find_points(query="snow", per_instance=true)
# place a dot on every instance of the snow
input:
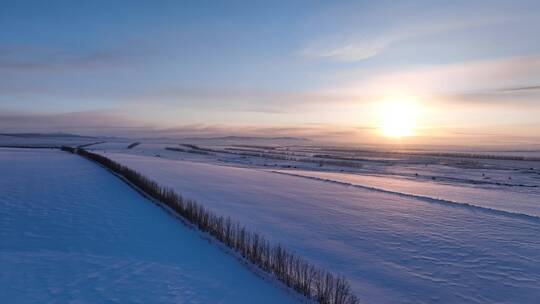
(512, 175)
(73, 233)
(498, 198)
(392, 248)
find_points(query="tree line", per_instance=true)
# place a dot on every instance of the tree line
(133, 145)
(91, 144)
(313, 282)
(187, 151)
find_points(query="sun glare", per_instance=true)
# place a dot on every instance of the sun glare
(398, 118)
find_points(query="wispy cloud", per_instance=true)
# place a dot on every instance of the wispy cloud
(354, 48)
(99, 122)
(523, 88)
(238, 100)
(31, 58)
(349, 51)
(113, 123)
(513, 75)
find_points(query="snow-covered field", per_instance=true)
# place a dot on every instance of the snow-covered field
(70, 232)
(514, 200)
(403, 227)
(392, 248)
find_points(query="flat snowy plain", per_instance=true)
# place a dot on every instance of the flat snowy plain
(392, 248)
(515, 200)
(70, 232)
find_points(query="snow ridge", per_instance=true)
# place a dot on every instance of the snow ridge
(421, 197)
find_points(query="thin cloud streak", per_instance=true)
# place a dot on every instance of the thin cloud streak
(359, 49)
(111, 123)
(525, 88)
(349, 52)
(240, 100)
(485, 76)
(99, 119)
(28, 58)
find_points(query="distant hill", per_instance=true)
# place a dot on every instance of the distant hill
(247, 138)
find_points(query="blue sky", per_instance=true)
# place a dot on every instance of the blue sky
(303, 67)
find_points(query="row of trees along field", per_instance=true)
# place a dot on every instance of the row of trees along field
(313, 282)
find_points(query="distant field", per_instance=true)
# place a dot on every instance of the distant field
(391, 248)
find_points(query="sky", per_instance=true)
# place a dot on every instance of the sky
(434, 72)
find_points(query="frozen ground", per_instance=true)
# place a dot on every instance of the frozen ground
(392, 248)
(510, 175)
(70, 232)
(518, 201)
(395, 223)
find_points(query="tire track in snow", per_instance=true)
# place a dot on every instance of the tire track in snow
(423, 198)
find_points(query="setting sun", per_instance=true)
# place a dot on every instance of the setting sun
(397, 118)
